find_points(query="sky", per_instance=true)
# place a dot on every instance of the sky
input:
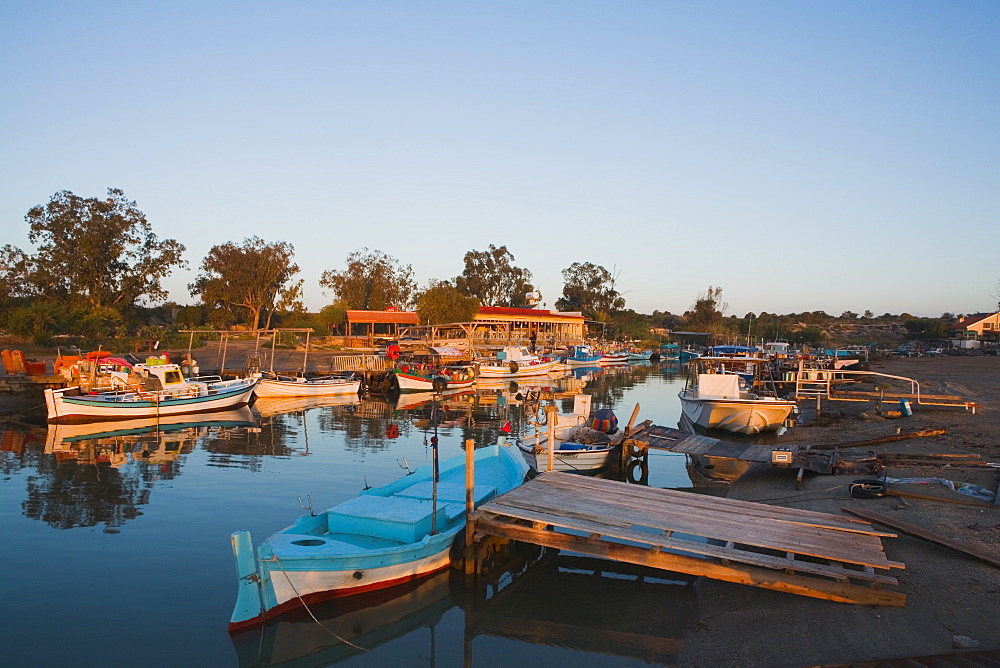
(802, 156)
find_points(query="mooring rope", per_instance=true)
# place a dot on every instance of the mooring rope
(323, 626)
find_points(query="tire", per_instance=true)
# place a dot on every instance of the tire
(440, 383)
(513, 367)
(867, 489)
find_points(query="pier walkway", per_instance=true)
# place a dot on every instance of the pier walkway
(785, 549)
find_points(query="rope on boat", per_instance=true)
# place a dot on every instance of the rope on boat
(322, 626)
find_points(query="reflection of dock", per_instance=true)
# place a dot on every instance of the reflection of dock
(785, 549)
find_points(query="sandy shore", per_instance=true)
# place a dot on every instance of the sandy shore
(948, 594)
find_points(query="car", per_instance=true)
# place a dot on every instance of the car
(936, 351)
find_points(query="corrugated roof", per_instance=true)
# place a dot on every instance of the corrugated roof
(527, 313)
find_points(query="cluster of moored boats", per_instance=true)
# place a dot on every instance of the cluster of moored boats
(404, 531)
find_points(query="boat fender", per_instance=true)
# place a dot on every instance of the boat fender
(392, 351)
(440, 383)
(512, 388)
(513, 366)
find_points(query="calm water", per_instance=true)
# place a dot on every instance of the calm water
(117, 547)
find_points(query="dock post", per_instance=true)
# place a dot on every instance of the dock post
(550, 420)
(470, 505)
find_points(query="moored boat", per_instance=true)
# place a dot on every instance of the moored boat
(614, 358)
(582, 356)
(386, 536)
(149, 390)
(277, 385)
(515, 362)
(720, 396)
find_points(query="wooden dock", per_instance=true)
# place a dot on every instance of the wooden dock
(657, 437)
(785, 549)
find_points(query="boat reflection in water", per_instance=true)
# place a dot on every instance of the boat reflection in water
(536, 596)
(348, 626)
(145, 439)
(271, 406)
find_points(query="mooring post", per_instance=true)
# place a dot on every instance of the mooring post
(550, 420)
(470, 505)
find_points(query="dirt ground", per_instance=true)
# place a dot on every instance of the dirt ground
(948, 593)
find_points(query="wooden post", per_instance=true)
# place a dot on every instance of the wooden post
(225, 347)
(470, 505)
(631, 420)
(305, 356)
(550, 418)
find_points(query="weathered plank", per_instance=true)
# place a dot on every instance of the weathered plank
(743, 508)
(740, 574)
(990, 557)
(620, 503)
(689, 546)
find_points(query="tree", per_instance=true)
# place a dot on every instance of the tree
(444, 303)
(372, 281)
(254, 275)
(493, 280)
(589, 288)
(848, 315)
(706, 314)
(99, 251)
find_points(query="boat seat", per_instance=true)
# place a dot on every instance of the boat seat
(398, 518)
(448, 492)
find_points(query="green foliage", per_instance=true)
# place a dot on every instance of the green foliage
(492, 279)
(252, 277)
(444, 303)
(630, 326)
(101, 251)
(589, 288)
(927, 328)
(809, 335)
(371, 281)
(706, 314)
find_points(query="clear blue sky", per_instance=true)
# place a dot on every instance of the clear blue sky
(801, 155)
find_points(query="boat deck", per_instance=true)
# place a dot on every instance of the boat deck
(785, 549)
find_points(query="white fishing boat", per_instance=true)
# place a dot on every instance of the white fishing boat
(721, 395)
(515, 362)
(277, 385)
(614, 358)
(582, 356)
(577, 446)
(149, 390)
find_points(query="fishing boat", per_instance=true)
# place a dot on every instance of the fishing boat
(582, 356)
(620, 357)
(640, 356)
(147, 391)
(515, 362)
(277, 385)
(386, 536)
(718, 395)
(421, 377)
(581, 444)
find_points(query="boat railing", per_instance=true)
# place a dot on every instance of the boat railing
(360, 363)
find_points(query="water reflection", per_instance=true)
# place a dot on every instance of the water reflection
(535, 596)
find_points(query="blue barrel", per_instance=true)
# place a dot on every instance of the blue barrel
(904, 407)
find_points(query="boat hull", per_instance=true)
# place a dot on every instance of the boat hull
(116, 406)
(384, 537)
(504, 370)
(584, 361)
(741, 416)
(567, 461)
(269, 387)
(415, 383)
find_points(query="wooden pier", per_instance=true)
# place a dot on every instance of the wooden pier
(785, 549)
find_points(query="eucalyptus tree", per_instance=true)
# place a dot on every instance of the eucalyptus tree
(589, 288)
(444, 303)
(491, 278)
(101, 252)
(254, 276)
(372, 280)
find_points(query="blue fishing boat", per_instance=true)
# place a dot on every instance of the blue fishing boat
(386, 536)
(582, 356)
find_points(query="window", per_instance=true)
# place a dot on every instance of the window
(172, 378)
